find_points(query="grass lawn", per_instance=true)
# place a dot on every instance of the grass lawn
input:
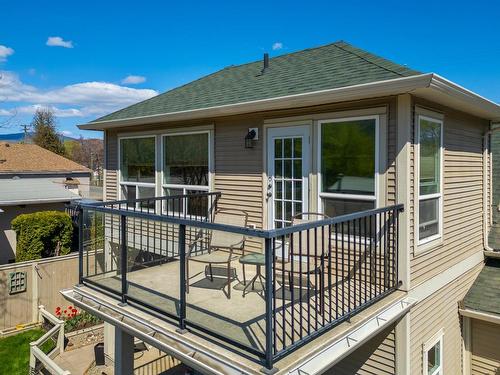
(15, 351)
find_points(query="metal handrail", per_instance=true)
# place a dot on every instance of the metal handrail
(253, 232)
(381, 224)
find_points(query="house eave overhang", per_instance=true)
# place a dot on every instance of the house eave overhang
(428, 86)
(480, 315)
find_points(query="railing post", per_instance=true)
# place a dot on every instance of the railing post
(182, 280)
(269, 306)
(123, 258)
(80, 245)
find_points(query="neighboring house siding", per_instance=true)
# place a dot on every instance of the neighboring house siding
(377, 357)
(440, 311)
(485, 353)
(462, 196)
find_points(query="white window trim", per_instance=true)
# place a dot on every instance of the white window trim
(374, 197)
(131, 183)
(205, 188)
(428, 243)
(437, 338)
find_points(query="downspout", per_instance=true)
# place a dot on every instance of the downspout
(487, 177)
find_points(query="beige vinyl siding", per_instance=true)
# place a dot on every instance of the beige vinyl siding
(485, 351)
(440, 311)
(111, 149)
(462, 196)
(392, 143)
(238, 170)
(376, 357)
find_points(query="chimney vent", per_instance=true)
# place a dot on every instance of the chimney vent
(266, 63)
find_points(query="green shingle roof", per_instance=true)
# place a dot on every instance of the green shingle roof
(332, 66)
(484, 295)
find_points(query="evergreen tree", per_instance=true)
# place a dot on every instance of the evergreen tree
(45, 131)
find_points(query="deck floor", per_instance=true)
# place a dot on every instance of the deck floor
(240, 318)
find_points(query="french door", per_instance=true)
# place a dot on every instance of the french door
(288, 167)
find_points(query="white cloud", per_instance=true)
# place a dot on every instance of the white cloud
(57, 41)
(5, 52)
(277, 46)
(76, 100)
(67, 133)
(133, 80)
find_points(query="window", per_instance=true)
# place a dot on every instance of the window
(186, 166)
(137, 170)
(433, 355)
(430, 144)
(348, 165)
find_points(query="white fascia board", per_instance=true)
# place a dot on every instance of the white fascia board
(355, 92)
(38, 201)
(333, 353)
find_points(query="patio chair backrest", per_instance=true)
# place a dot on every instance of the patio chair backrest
(226, 240)
(317, 237)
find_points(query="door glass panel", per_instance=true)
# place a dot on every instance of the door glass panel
(288, 199)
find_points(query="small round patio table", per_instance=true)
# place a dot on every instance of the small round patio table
(258, 260)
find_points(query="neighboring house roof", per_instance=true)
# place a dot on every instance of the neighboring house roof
(29, 158)
(335, 72)
(484, 294)
(16, 191)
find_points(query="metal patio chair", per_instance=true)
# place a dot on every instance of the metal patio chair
(221, 246)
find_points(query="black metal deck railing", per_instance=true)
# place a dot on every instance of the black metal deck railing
(316, 274)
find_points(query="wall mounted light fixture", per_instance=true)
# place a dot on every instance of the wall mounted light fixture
(251, 137)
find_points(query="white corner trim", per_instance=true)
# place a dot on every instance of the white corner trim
(480, 315)
(429, 287)
(333, 353)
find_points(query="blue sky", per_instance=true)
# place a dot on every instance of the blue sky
(76, 56)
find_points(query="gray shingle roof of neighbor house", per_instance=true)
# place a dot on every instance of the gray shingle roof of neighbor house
(331, 66)
(33, 190)
(484, 295)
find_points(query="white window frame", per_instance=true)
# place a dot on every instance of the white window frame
(437, 338)
(204, 188)
(375, 197)
(131, 183)
(434, 239)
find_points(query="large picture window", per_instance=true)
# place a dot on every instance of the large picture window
(430, 145)
(186, 167)
(348, 162)
(137, 170)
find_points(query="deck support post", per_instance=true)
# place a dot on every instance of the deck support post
(183, 281)
(123, 258)
(268, 252)
(124, 352)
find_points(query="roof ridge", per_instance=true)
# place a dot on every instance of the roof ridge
(369, 60)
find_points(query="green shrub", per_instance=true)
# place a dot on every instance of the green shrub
(39, 233)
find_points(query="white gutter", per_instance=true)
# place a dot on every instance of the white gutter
(335, 352)
(430, 85)
(38, 201)
(492, 318)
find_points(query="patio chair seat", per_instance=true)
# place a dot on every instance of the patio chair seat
(214, 257)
